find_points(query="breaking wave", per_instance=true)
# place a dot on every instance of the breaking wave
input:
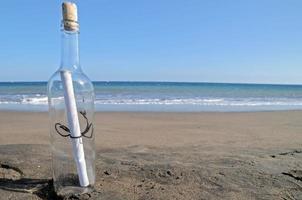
(42, 100)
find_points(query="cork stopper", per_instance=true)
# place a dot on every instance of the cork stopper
(70, 16)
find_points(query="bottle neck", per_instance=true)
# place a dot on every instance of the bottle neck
(70, 60)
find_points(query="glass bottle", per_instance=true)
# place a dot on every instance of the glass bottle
(65, 167)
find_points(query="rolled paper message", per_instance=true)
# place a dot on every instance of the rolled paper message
(74, 126)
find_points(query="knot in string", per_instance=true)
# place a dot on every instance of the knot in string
(64, 131)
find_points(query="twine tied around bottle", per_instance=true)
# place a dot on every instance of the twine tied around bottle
(89, 126)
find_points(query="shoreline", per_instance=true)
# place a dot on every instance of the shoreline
(122, 129)
(159, 112)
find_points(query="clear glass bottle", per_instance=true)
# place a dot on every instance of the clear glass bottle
(64, 164)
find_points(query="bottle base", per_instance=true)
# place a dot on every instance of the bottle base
(73, 190)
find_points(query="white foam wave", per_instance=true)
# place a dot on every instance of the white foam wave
(24, 99)
(35, 100)
(203, 102)
(233, 102)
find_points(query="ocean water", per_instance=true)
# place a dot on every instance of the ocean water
(163, 96)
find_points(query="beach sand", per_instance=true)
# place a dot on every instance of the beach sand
(256, 155)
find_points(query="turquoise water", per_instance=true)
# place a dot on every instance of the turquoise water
(163, 96)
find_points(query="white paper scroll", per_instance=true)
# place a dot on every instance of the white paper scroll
(74, 126)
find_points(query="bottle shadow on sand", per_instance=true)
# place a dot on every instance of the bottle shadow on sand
(11, 179)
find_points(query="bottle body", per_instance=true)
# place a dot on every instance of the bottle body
(64, 162)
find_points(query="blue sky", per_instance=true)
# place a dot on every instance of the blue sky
(257, 41)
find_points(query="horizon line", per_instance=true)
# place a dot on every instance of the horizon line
(193, 82)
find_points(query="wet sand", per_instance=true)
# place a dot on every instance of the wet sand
(255, 155)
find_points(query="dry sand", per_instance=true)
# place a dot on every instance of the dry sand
(255, 155)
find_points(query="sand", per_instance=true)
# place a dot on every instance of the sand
(255, 155)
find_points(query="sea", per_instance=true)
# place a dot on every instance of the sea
(163, 97)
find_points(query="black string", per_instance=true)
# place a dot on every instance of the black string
(68, 134)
